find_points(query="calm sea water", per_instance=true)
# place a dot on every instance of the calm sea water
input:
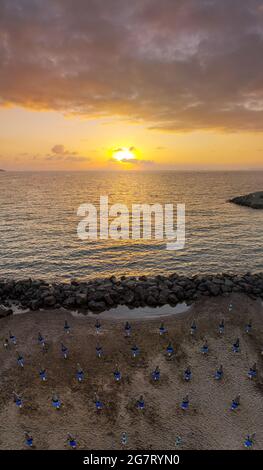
(38, 221)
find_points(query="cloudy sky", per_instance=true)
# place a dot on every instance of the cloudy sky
(121, 84)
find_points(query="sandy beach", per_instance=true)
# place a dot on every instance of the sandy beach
(208, 424)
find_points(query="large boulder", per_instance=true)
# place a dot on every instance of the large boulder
(253, 200)
(5, 312)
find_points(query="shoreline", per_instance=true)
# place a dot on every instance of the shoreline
(100, 295)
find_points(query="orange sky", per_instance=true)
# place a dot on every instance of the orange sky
(180, 84)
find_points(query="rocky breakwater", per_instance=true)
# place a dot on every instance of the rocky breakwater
(103, 294)
(253, 200)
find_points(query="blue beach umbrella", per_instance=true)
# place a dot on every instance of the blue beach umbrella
(235, 403)
(12, 338)
(204, 348)
(18, 400)
(236, 346)
(28, 439)
(127, 329)
(187, 374)
(72, 441)
(79, 373)
(252, 373)
(222, 327)
(56, 403)
(185, 403)
(162, 329)
(43, 374)
(20, 360)
(135, 351)
(156, 374)
(64, 351)
(169, 350)
(66, 327)
(219, 373)
(117, 374)
(140, 404)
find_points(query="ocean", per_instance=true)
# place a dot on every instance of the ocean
(38, 224)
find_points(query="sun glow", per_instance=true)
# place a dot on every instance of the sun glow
(123, 154)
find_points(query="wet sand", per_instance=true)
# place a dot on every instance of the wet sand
(208, 424)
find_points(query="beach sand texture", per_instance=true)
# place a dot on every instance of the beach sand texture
(208, 424)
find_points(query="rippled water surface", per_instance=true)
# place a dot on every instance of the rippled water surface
(38, 221)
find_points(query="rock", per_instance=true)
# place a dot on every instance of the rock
(49, 301)
(151, 301)
(214, 289)
(35, 304)
(5, 312)
(226, 289)
(128, 297)
(81, 299)
(108, 299)
(70, 302)
(164, 296)
(173, 300)
(253, 200)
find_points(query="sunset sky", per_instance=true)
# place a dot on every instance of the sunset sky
(131, 84)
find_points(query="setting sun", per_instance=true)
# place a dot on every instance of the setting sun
(123, 154)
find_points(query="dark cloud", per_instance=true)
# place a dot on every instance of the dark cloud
(60, 153)
(60, 149)
(174, 65)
